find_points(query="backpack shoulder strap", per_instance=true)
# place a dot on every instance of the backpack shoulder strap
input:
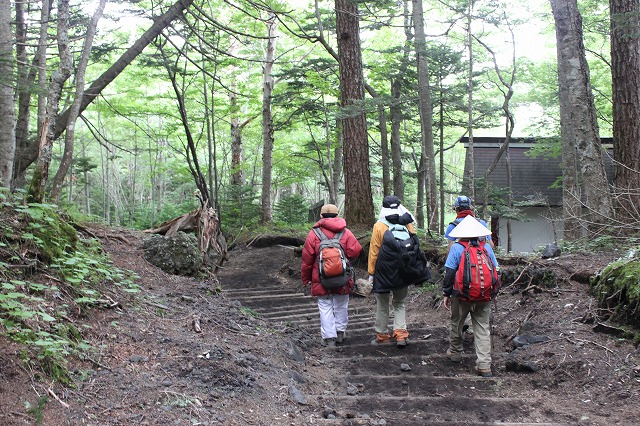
(323, 236)
(320, 234)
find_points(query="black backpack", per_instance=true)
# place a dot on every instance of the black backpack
(413, 264)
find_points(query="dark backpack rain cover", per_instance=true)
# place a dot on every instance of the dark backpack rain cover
(400, 261)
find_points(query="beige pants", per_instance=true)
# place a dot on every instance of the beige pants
(480, 313)
(399, 312)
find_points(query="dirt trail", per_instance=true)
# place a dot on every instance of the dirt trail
(244, 349)
(582, 377)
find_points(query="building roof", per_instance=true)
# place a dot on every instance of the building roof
(532, 177)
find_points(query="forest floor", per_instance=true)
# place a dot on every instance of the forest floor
(244, 348)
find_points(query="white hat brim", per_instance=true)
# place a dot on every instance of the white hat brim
(469, 227)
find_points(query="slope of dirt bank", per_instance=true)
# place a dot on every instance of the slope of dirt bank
(244, 349)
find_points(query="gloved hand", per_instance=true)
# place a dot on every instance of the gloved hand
(370, 279)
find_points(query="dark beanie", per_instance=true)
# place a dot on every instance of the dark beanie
(391, 202)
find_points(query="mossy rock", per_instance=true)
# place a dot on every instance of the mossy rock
(617, 289)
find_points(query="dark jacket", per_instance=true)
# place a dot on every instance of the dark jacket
(386, 257)
(309, 269)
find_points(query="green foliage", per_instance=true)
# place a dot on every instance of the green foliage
(429, 287)
(31, 312)
(240, 207)
(600, 243)
(617, 289)
(36, 411)
(249, 312)
(292, 210)
(46, 230)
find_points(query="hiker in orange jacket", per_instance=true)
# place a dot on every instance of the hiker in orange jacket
(383, 274)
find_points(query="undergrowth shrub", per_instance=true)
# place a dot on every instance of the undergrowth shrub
(47, 273)
(617, 289)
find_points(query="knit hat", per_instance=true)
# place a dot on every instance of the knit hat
(469, 227)
(329, 209)
(391, 202)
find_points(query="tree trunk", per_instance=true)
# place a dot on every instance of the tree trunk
(384, 149)
(396, 148)
(579, 126)
(85, 174)
(625, 57)
(358, 200)
(237, 174)
(7, 111)
(58, 78)
(338, 158)
(74, 111)
(191, 150)
(426, 118)
(441, 149)
(470, 159)
(507, 91)
(267, 120)
(27, 150)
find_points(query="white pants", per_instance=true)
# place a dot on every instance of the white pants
(334, 314)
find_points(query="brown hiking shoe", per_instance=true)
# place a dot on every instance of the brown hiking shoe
(401, 343)
(330, 343)
(402, 337)
(454, 356)
(381, 339)
(484, 372)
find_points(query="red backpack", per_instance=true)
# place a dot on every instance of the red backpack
(477, 277)
(333, 265)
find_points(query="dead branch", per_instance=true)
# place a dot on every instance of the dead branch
(158, 305)
(519, 276)
(526, 318)
(593, 343)
(117, 237)
(84, 229)
(97, 364)
(254, 240)
(52, 393)
(196, 323)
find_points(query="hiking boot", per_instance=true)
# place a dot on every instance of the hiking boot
(484, 372)
(401, 343)
(330, 343)
(454, 356)
(402, 337)
(381, 339)
(341, 337)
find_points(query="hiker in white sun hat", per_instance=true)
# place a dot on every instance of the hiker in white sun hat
(464, 207)
(470, 227)
(472, 260)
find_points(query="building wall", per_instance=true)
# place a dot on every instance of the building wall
(528, 237)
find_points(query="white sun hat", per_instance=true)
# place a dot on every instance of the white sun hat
(469, 227)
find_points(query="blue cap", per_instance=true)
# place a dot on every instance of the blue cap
(463, 202)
